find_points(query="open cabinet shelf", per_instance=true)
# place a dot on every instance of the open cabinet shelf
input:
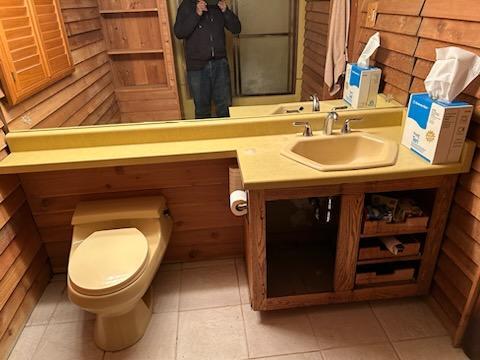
(382, 228)
(389, 260)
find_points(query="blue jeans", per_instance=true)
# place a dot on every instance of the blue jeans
(211, 83)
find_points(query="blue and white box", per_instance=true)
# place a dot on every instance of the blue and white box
(436, 130)
(361, 86)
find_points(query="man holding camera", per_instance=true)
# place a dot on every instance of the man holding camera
(201, 24)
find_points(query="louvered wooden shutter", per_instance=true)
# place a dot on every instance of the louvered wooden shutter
(23, 67)
(33, 46)
(51, 31)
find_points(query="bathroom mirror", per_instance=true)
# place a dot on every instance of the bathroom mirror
(127, 65)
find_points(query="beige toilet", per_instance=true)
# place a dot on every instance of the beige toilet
(116, 250)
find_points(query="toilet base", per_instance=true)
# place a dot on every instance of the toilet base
(113, 333)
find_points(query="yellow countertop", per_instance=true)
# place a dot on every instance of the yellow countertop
(256, 145)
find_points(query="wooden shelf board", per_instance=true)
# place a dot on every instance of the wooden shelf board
(385, 284)
(134, 51)
(128, 11)
(393, 233)
(389, 260)
(133, 88)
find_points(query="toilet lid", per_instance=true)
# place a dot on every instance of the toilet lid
(107, 261)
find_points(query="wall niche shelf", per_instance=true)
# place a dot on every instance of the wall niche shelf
(139, 46)
(134, 51)
(128, 11)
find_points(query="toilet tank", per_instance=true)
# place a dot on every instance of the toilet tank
(148, 207)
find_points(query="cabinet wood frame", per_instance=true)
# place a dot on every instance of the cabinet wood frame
(349, 232)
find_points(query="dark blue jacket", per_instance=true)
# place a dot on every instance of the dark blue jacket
(204, 35)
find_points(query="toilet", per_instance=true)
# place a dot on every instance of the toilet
(117, 247)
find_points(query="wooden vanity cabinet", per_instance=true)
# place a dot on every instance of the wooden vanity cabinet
(373, 274)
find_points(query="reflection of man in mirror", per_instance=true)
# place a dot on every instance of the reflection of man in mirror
(201, 23)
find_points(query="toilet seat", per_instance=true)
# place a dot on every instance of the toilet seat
(107, 261)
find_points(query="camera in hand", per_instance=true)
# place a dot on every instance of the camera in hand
(211, 2)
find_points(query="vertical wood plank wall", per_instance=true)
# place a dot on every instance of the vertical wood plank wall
(315, 47)
(84, 98)
(24, 267)
(410, 32)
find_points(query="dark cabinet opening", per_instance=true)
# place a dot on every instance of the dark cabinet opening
(301, 237)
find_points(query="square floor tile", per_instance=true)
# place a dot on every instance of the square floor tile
(166, 291)
(46, 305)
(242, 281)
(405, 319)
(305, 356)
(278, 332)
(211, 334)
(72, 341)
(158, 343)
(27, 343)
(207, 287)
(345, 325)
(363, 352)
(66, 311)
(438, 348)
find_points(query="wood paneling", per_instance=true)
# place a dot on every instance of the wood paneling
(196, 192)
(315, 48)
(86, 97)
(24, 267)
(398, 23)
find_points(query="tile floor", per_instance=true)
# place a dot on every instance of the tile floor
(201, 311)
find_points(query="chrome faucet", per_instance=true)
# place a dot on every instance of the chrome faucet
(316, 103)
(331, 118)
(307, 131)
(346, 128)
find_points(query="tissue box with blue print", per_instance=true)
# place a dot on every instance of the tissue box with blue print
(436, 130)
(361, 86)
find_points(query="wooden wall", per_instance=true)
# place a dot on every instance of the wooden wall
(87, 96)
(24, 267)
(315, 47)
(410, 32)
(197, 195)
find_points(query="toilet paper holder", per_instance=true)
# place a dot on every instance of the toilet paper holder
(241, 207)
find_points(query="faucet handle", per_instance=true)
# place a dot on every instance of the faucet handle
(346, 128)
(307, 131)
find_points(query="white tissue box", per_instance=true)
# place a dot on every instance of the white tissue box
(436, 130)
(361, 86)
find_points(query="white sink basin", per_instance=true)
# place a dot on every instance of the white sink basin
(353, 151)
